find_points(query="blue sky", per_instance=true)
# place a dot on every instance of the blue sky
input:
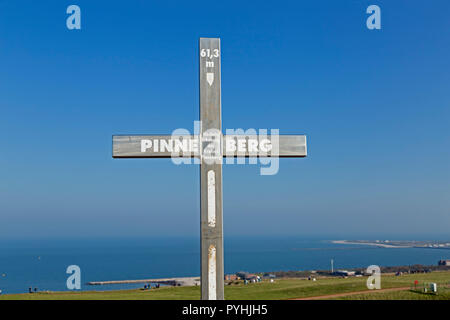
(374, 104)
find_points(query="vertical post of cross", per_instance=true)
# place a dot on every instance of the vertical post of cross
(211, 239)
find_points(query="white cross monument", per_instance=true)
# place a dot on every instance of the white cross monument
(210, 146)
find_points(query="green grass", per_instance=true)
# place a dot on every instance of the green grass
(280, 289)
(397, 295)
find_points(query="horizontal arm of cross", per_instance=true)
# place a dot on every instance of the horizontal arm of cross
(165, 146)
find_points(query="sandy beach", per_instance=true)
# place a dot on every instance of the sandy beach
(377, 244)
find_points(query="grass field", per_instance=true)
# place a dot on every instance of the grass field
(280, 289)
(397, 295)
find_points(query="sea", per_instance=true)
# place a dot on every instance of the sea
(43, 263)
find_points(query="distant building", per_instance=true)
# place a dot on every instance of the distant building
(242, 275)
(253, 277)
(444, 262)
(231, 277)
(344, 273)
(247, 276)
(269, 275)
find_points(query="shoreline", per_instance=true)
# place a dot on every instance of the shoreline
(381, 245)
(176, 281)
(279, 275)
